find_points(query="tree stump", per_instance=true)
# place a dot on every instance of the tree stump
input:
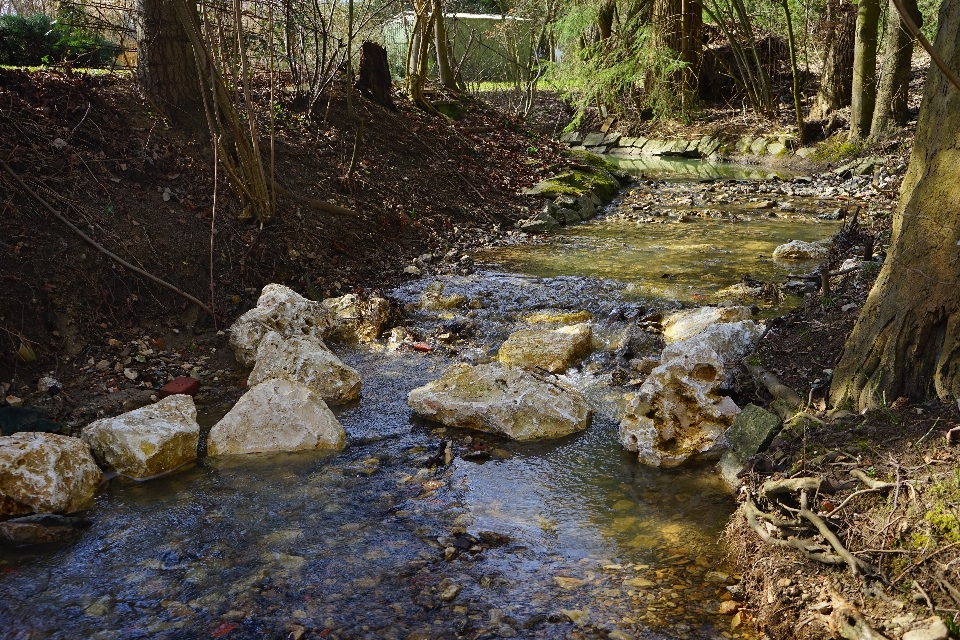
(374, 78)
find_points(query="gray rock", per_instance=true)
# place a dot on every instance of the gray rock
(593, 139)
(752, 431)
(566, 201)
(599, 149)
(759, 146)
(537, 226)
(730, 466)
(835, 214)
(586, 209)
(569, 216)
(611, 139)
(805, 152)
(776, 149)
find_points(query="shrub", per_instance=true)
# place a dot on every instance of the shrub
(37, 39)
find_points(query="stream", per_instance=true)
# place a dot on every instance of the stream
(570, 538)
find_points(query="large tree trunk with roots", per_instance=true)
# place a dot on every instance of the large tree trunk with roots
(891, 109)
(677, 33)
(906, 341)
(864, 94)
(837, 77)
(166, 67)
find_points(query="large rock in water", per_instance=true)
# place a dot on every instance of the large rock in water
(800, 250)
(46, 473)
(306, 360)
(677, 415)
(731, 341)
(146, 442)
(553, 351)
(358, 320)
(276, 415)
(283, 310)
(686, 324)
(502, 399)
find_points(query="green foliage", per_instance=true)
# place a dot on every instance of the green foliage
(37, 39)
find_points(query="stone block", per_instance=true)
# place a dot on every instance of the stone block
(752, 431)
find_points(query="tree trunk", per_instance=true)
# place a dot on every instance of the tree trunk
(891, 109)
(837, 78)
(677, 32)
(605, 19)
(864, 93)
(373, 79)
(444, 68)
(797, 98)
(166, 67)
(906, 341)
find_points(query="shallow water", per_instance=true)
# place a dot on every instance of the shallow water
(370, 543)
(687, 262)
(347, 545)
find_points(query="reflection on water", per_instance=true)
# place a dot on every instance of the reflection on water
(687, 262)
(676, 168)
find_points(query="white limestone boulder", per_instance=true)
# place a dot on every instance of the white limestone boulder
(358, 319)
(46, 473)
(283, 310)
(686, 324)
(305, 360)
(731, 341)
(677, 414)
(146, 442)
(553, 350)
(502, 399)
(800, 250)
(276, 415)
(434, 300)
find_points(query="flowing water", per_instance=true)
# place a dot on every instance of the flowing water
(564, 539)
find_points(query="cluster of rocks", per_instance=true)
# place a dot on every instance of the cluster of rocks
(565, 210)
(573, 195)
(519, 395)
(681, 412)
(294, 378)
(712, 147)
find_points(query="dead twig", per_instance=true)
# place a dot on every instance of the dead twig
(922, 560)
(96, 245)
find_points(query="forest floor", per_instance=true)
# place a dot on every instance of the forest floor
(91, 146)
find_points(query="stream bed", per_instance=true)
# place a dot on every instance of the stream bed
(570, 538)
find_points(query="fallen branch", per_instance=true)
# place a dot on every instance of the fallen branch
(772, 488)
(873, 484)
(776, 388)
(96, 245)
(313, 204)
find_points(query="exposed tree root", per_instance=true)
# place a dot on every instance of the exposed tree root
(776, 388)
(796, 532)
